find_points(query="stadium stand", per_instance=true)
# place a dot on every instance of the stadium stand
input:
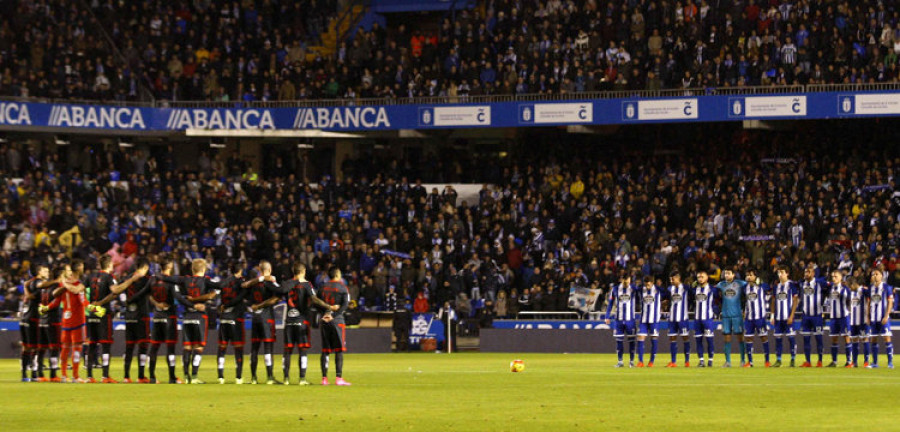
(269, 50)
(548, 217)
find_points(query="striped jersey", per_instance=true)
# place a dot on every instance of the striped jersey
(857, 307)
(678, 303)
(623, 297)
(812, 297)
(838, 301)
(878, 301)
(783, 300)
(704, 297)
(650, 304)
(755, 305)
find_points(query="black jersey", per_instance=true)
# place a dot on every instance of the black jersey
(298, 296)
(137, 303)
(164, 292)
(30, 306)
(100, 284)
(53, 315)
(336, 293)
(232, 296)
(260, 292)
(192, 286)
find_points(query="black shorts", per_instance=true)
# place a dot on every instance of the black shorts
(262, 330)
(231, 331)
(165, 330)
(28, 329)
(296, 334)
(137, 330)
(194, 329)
(49, 336)
(334, 337)
(100, 330)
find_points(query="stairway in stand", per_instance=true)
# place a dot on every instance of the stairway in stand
(337, 27)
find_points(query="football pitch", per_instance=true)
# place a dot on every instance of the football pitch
(469, 391)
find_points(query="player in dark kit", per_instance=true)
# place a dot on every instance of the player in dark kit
(165, 320)
(231, 323)
(30, 320)
(334, 340)
(300, 297)
(197, 289)
(50, 324)
(137, 317)
(99, 323)
(264, 293)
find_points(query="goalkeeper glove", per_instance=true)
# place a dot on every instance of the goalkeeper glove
(100, 311)
(42, 309)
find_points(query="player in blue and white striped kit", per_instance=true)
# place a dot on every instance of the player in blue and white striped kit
(651, 300)
(784, 305)
(756, 308)
(704, 312)
(624, 298)
(837, 302)
(678, 298)
(859, 330)
(812, 297)
(880, 303)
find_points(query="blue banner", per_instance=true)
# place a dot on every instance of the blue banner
(711, 108)
(425, 326)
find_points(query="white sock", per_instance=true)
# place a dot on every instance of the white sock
(105, 358)
(54, 363)
(171, 359)
(197, 359)
(268, 358)
(303, 362)
(142, 359)
(221, 363)
(76, 357)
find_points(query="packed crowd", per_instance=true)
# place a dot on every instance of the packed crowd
(256, 49)
(546, 222)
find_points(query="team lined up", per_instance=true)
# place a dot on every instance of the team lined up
(858, 314)
(60, 307)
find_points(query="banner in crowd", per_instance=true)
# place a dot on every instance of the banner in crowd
(425, 326)
(708, 108)
(583, 299)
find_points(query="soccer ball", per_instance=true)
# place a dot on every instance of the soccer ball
(517, 366)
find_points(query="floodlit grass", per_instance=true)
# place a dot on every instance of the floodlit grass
(470, 391)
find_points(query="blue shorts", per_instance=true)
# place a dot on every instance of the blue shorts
(682, 328)
(623, 328)
(732, 325)
(704, 328)
(859, 331)
(756, 327)
(648, 329)
(879, 329)
(782, 328)
(839, 326)
(812, 325)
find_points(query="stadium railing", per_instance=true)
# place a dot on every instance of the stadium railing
(436, 100)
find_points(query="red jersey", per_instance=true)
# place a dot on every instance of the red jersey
(73, 309)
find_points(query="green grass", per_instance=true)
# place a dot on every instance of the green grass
(470, 391)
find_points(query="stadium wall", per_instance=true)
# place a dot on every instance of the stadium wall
(358, 341)
(49, 117)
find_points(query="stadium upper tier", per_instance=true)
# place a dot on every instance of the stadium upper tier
(269, 50)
